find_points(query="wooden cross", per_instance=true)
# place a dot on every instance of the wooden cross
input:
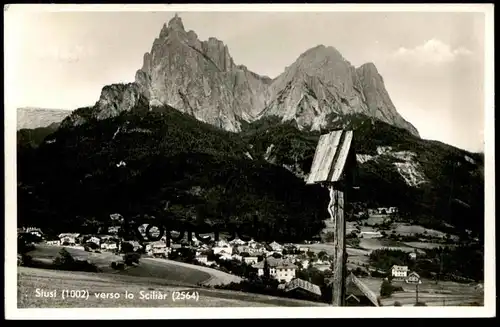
(333, 155)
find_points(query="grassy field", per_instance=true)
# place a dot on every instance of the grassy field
(47, 253)
(371, 244)
(356, 257)
(426, 245)
(215, 277)
(432, 294)
(169, 271)
(396, 228)
(30, 279)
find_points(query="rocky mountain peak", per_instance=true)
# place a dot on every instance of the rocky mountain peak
(321, 51)
(201, 78)
(176, 23)
(175, 28)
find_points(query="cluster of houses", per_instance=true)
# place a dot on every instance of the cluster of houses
(403, 273)
(378, 211)
(290, 257)
(284, 268)
(275, 260)
(109, 241)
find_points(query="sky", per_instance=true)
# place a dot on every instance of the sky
(432, 63)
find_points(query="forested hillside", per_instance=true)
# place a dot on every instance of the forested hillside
(166, 163)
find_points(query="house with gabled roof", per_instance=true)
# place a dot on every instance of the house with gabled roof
(275, 246)
(399, 271)
(302, 289)
(282, 270)
(68, 238)
(359, 294)
(413, 278)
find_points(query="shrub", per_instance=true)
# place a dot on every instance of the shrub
(420, 304)
(64, 261)
(386, 289)
(127, 247)
(117, 265)
(359, 272)
(397, 304)
(131, 258)
(25, 260)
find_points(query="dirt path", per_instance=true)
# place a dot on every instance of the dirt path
(217, 277)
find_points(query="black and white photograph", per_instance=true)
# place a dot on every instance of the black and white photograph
(249, 160)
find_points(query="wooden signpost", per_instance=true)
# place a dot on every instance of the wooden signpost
(332, 167)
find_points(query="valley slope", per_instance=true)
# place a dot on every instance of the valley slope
(142, 163)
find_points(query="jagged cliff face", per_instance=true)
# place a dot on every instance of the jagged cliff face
(322, 85)
(201, 78)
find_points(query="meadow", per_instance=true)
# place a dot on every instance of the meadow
(30, 279)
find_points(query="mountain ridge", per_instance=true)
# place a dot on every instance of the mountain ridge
(77, 173)
(202, 79)
(33, 117)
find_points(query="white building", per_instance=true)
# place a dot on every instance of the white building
(237, 242)
(114, 229)
(223, 249)
(54, 242)
(393, 210)
(237, 257)
(109, 245)
(279, 269)
(226, 256)
(68, 238)
(304, 263)
(276, 247)
(35, 231)
(414, 278)
(95, 240)
(250, 260)
(370, 235)
(202, 259)
(157, 249)
(222, 243)
(399, 271)
(252, 243)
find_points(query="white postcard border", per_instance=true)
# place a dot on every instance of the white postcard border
(12, 312)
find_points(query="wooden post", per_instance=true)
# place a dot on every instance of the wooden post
(336, 210)
(332, 167)
(416, 288)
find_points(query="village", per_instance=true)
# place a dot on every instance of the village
(284, 263)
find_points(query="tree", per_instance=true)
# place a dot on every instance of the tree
(92, 245)
(386, 289)
(131, 258)
(64, 260)
(323, 255)
(127, 247)
(266, 269)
